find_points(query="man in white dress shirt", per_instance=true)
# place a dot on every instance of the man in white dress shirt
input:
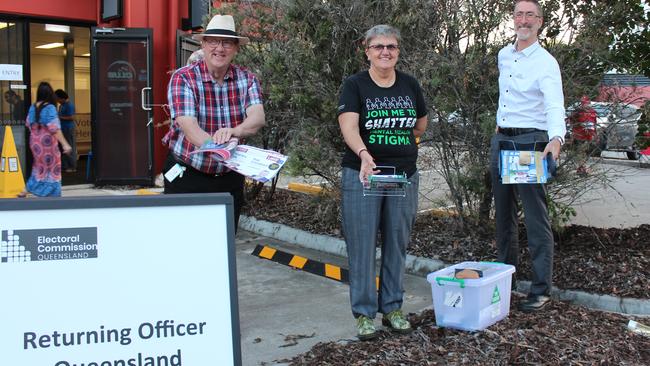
(531, 114)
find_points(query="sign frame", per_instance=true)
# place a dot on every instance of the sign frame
(157, 203)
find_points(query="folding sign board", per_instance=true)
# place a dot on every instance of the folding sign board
(128, 280)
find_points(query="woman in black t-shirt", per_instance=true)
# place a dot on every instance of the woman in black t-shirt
(381, 112)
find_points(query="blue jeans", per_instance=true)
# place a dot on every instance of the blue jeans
(363, 218)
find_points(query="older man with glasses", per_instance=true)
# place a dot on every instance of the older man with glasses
(530, 113)
(211, 101)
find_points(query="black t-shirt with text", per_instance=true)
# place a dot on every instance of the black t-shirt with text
(387, 117)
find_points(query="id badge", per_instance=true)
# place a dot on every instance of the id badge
(173, 173)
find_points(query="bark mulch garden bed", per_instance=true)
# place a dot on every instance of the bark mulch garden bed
(561, 334)
(603, 261)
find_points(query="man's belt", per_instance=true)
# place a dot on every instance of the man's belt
(511, 131)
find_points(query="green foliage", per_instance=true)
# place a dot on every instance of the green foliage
(560, 214)
(632, 36)
(643, 135)
(302, 50)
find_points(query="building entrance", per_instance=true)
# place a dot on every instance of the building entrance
(60, 55)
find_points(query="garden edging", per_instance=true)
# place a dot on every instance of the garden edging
(422, 266)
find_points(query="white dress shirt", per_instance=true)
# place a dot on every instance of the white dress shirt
(530, 90)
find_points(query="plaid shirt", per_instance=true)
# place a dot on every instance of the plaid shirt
(193, 93)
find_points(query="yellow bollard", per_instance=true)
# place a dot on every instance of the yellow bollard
(145, 192)
(304, 188)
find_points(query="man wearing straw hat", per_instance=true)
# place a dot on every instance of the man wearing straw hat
(211, 100)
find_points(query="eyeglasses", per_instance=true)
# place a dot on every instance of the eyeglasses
(381, 47)
(227, 44)
(528, 15)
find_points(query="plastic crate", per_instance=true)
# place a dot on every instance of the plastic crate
(471, 304)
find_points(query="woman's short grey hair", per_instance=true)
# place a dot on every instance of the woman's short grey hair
(383, 30)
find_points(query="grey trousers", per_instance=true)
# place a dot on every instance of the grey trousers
(538, 226)
(363, 218)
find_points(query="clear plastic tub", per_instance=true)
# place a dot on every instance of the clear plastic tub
(471, 304)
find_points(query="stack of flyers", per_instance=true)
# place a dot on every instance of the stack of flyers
(255, 163)
(220, 152)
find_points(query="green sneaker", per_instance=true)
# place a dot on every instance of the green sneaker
(365, 328)
(397, 322)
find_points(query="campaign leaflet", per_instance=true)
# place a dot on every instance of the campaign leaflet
(523, 167)
(255, 163)
(219, 152)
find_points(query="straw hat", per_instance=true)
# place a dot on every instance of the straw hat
(221, 26)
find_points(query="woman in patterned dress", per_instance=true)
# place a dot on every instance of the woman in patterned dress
(45, 128)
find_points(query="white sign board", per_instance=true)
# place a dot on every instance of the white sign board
(11, 72)
(129, 280)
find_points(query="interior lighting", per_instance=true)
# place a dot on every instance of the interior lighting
(5, 25)
(57, 28)
(50, 45)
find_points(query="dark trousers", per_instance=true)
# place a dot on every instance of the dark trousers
(538, 226)
(194, 181)
(69, 161)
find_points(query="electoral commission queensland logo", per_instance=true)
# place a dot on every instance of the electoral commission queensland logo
(48, 244)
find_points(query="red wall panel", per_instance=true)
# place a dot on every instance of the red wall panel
(84, 10)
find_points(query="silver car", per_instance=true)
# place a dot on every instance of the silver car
(616, 126)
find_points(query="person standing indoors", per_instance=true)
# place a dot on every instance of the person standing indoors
(16, 105)
(45, 137)
(531, 111)
(211, 100)
(381, 112)
(66, 116)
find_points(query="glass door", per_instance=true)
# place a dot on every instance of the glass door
(14, 81)
(122, 141)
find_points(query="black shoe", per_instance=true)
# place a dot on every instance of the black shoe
(534, 303)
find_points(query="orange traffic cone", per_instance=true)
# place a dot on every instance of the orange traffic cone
(11, 175)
